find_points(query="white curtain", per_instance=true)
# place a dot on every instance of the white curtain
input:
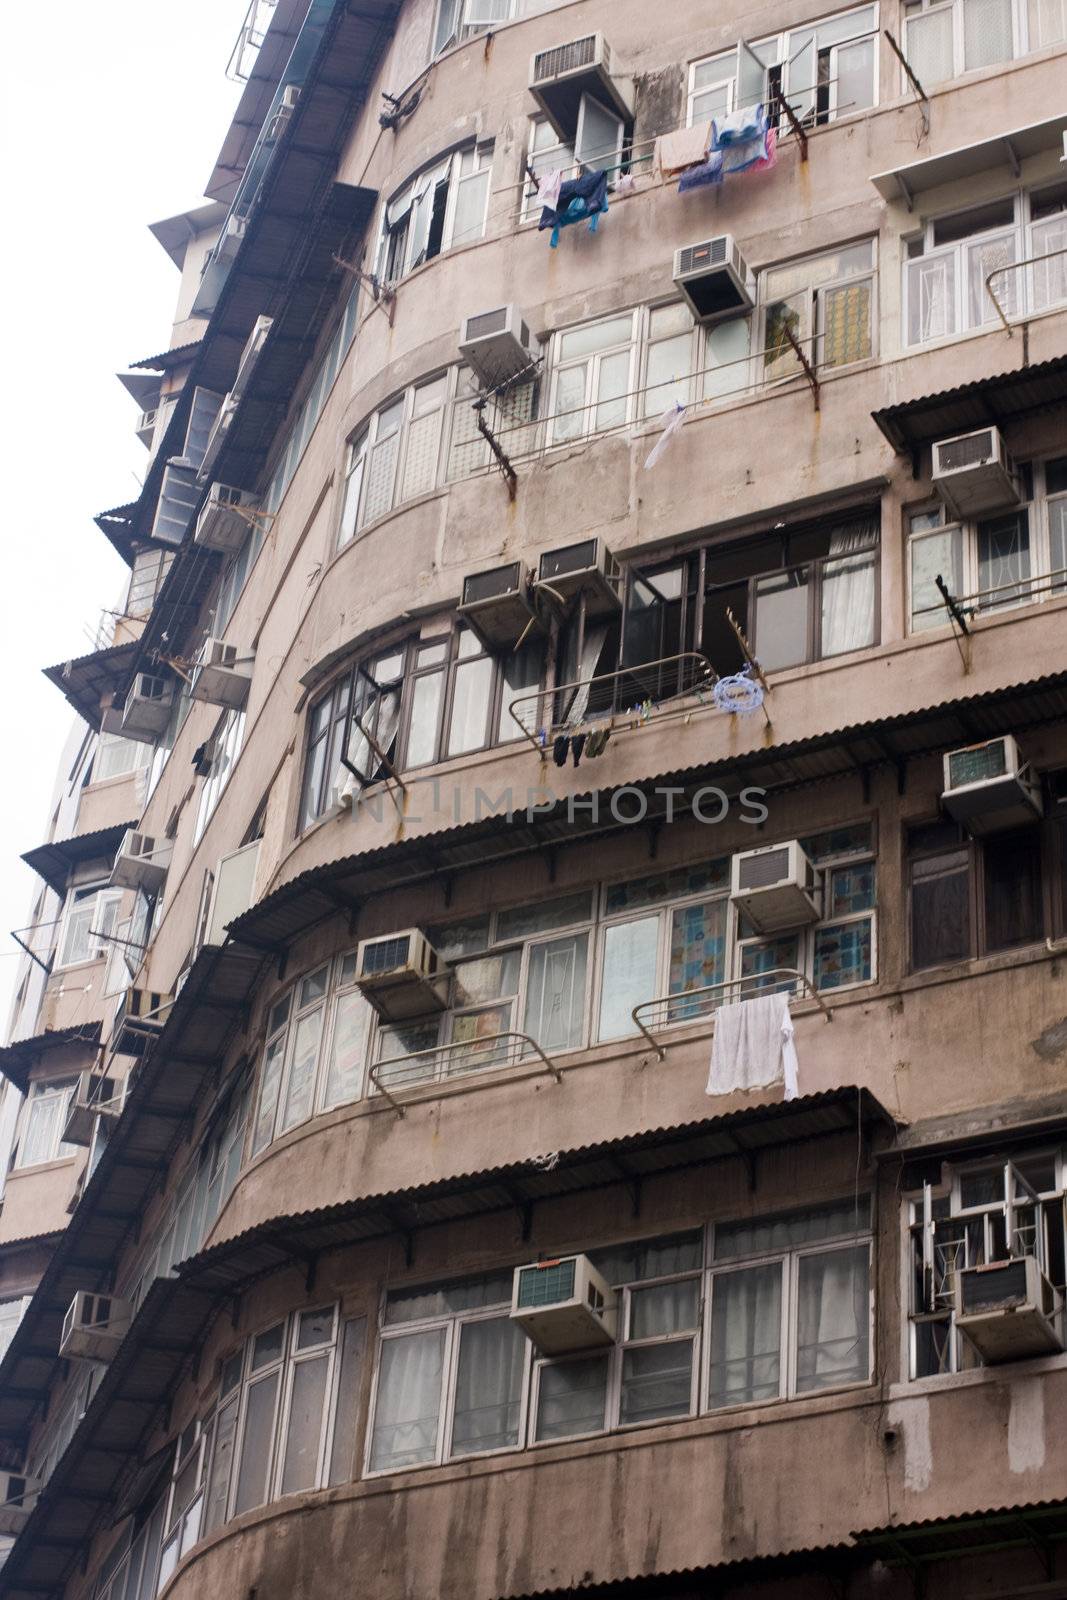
(409, 1400)
(1049, 277)
(931, 298)
(555, 990)
(834, 1317)
(488, 1386)
(592, 646)
(746, 1331)
(848, 591)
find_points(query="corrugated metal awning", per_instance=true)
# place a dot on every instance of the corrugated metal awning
(301, 904)
(54, 862)
(1035, 1524)
(18, 1060)
(1006, 398)
(87, 679)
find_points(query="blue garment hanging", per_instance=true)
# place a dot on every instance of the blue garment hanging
(703, 176)
(582, 197)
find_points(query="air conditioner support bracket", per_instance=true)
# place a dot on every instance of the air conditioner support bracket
(382, 297)
(753, 664)
(795, 125)
(809, 370)
(961, 631)
(916, 88)
(507, 471)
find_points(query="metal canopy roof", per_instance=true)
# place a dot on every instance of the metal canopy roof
(170, 1323)
(87, 679)
(1003, 149)
(165, 1093)
(174, 233)
(339, 885)
(1036, 1524)
(54, 862)
(999, 400)
(256, 99)
(18, 1060)
(117, 526)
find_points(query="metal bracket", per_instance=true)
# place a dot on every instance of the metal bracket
(917, 89)
(507, 471)
(809, 370)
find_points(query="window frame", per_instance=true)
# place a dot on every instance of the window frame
(105, 903)
(783, 366)
(1050, 844)
(226, 745)
(393, 258)
(1020, 43)
(46, 1091)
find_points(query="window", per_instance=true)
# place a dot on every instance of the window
(11, 1314)
(303, 424)
(943, 38)
(201, 1195)
(826, 303)
(442, 207)
(315, 1050)
(451, 1375)
(593, 378)
(226, 747)
(791, 1305)
(116, 757)
(421, 701)
(824, 69)
(546, 153)
(88, 922)
(44, 1117)
(150, 567)
(948, 289)
(650, 1374)
(459, 20)
(1008, 558)
(972, 897)
(981, 1212)
(394, 457)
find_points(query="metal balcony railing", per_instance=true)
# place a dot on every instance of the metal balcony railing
(446, 1063)
(648, 690)
(1054, 300)
(1015, 591)
(694, 1005)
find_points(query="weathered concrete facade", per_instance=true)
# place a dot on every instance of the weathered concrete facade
(307, 1210)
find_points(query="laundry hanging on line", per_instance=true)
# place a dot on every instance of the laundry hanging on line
(739, 127)
(548, 187)
(753, 1047)
(579, 199)
(671, 421)
(686, 147)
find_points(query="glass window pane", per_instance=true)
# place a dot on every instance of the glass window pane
(572, 1397)
(1049, 277)
(843, 954)
(268, 1094)
(644, 1259)
(421, 455)
(597, 336)
(833, 1333)
(342, 1460)
(697, 955)
(631, 951)
(657, 1381)
(1014, 912)
(851, 889)
(931, 288)
(846, 314)
(853, 67)
(409, 1401)
(670, 362)
(379, 495)
(487, 978)
(555, 992)
(344, 1075)
(303, 1438)
(268, 1347)
(940, 909)
(612, 390)
(746, 1335)
(568, 403)
(470, 706)
(928, 45)
(489, 1375)
(471, 196)
(667, 1308)
(987, 33)
(256, 1441)
(767, 1235)
(425, 714)
(781, 632)
(543, 916)
(933, 555)
(848, 603)
(1003, 559)
(726, 360)
(300, 1091)
(522, 676)
(991, 256)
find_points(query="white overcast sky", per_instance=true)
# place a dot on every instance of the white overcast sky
(111, 117)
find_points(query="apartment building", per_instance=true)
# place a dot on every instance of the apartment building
(598, 586)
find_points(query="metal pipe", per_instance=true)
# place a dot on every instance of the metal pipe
(686, 995)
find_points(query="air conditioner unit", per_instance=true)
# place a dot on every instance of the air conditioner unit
(714, 278)
(141, 862)
(776, 887)
(148, 706)
(564, 1305)
(217, 438)
(146, 426)
(498, 346)
(95, 1096)
(279, 121)
(94, 1326)
(560, 76)
(251, 353)
(974, 473)
(402, 976)
(18, 1496)
(224, 524)
(587, 568)
(499, 605)
(1009, 1310)
(989, 786)
(221, 676)
(139, 1021)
